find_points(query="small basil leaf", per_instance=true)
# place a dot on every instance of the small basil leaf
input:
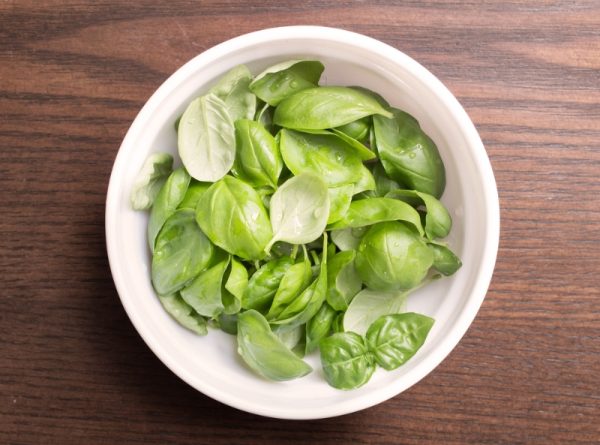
(182, 251)
(408, 155)
(286, 78)
(394, 339)
(383, 184)
(235, 286)
(264, 283)
(299, 210)
(358, 148)
(438, 221)
(365, 182)
(195, 190)
(258, 161)
(392, 256)
(232, 215)
(263, 352)
(343, 282)
(233, 89)
(291, 337)
(170, 195)
(150, 179)
(228, 323)
(319, 326)
(444, 260)
(338, 323)
(368, 305)
(183, 313)
(358, 129)
(348, 239)
(347, 364)
(204, 294)
(325, 107)
(295, 280)
(340, 198)
(367, 212)
(206, 139)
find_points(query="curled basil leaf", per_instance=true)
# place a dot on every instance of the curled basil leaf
(236, 283)
(343, 282)
(347, 363)
(263, 352)
(358, 129)
(233, 89)
(368, 305)
(183, 313)
(394, 339)
(264, 283)
(438, 221)
(294, 281)
(340, 198)
(205, 294)
(150, 179)
(444, 260)
(319, 326)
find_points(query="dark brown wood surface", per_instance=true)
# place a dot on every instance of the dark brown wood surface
(73, 76)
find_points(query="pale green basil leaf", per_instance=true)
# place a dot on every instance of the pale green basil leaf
(347, 363)
(204, 294)
(170, 195)
(206, 139)
(233, 89)
(299, 210)
(195, 190)
(181, 252)
(444, 260)
(263, 352)
(340, 198)
(438, 221)
(368, 305)
(232, 215)
(183, 313)
(295, 280)
(408, 155)
(150, 179)
(343, 283)
(325, 107)
(348, 239)
(394, 339)
(265, 117)
(286, 78)
(258, 161)
(367, 212)
(392, 256)
(365, 182)
(291, 337)
(319, 327)
(264, 283)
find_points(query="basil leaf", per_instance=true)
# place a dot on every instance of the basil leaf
(263, 352)
(368, 305)
(170, 195)
(294, 281)
(444, 260)
(264, 283)
(233, 217)
(347, 363)
(150, 179)
(195, 190)
(286, 78)
(383, 184)
(408, 155)
(206, 139)
(367, 212)
(343, 282)
(235, 286)
(339, 198)
(292, 338)
(348, 239)
(228, 323)
(394, 339)
(299, 210)
(204, 294)
(181, 252)
(358, 129)
(183, 314)
(233, 89)
(325, 107)
(319, 326)
(358, 148)
(438, 221)
(258, 161)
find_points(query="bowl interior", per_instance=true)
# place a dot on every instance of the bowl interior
(211, 364)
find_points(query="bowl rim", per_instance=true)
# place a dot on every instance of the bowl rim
(489, 191)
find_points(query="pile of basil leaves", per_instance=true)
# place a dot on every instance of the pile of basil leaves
(301, 218)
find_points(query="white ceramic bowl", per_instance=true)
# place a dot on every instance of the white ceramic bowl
(210, 364)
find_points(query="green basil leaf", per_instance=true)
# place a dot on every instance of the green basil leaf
(325, 107)
(235, 286)
(348, 239)
(408, 155)
(299, 210)
(438, 221)
(195, 190)
(228, 323)
(347, 363)
(444, 260)
(264, 283)
(383, 184)
(150, 179)
(358, 129)
(295, 280)
(319, 326)
(339, 198)
(367, 212)
(368, 305)
(170, 195)
(392, 256)
(338, 323)
(206, 139)
(234, 218)
(284, 79)
(258, 161)
(394, 339)
(204, 294)
(292, 338)
(265, 117)
(183, 313)
(357, 147)
(263, 352)
(233, 89)
(181, 252)
(343, 282)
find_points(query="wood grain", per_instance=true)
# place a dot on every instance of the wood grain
(73, 77)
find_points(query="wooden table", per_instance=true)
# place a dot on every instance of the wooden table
(73, 76)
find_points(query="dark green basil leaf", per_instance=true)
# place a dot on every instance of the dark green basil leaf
(233, 89)
(150, 179)
(444, 260)
(183, 314)
(325, 107)
(383, 184)
(263, 352)
(182, 251)
(205, 294)
(437, 220)
(343, 283)
(264, 283)
(319, 326)
(228, 323)
(394, 339)
(346, 361)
